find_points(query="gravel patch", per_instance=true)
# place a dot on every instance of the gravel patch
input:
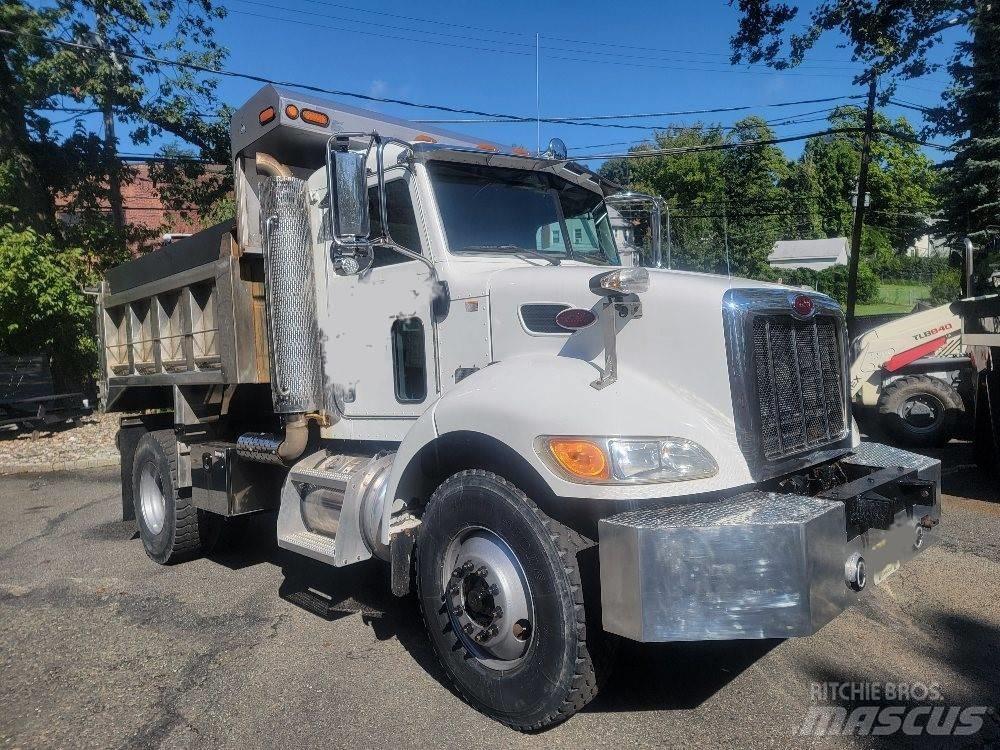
(88, 442)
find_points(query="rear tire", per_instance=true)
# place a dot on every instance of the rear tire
(920, 411)
(172, 529)
(539, 667)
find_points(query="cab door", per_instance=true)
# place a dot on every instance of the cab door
(380, 343)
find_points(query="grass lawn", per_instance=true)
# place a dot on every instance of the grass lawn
(881, 308)
(896, 298)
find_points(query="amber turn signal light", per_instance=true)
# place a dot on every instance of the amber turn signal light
(581, 458)
(266, 115)
(315, 118)
(291, 111)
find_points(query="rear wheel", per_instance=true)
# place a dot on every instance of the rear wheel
(170, 527)
(920, 410)
(500, 590)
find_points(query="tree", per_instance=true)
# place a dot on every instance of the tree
(892, 40)
(970, 184)
(718, 197)
(24, 195)
(887, 37)
(150, 99)
(901, 181)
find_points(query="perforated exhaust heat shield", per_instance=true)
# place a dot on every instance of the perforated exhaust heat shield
(290, 295)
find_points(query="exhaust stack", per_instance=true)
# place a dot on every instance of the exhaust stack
(292, 328)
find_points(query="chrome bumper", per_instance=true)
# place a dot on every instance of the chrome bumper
(766, 564)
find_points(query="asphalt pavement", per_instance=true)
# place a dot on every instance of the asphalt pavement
(100, 647)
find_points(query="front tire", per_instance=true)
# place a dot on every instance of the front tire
(172, 529)
(500, 591)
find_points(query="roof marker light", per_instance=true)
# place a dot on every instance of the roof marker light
(424, 138)
(315, 118)
(486, 147)
(266, 115)
(291, 111)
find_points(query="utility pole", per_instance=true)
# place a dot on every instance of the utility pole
(110, 141)
(859, 204)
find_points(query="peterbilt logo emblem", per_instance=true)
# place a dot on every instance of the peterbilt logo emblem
(803, 306)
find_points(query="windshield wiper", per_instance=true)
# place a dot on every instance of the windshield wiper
(519, 252)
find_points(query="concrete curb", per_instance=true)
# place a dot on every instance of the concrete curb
(47, 467)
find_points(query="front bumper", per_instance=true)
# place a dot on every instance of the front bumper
(766, 564)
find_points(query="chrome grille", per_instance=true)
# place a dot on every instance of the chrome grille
(799, 383)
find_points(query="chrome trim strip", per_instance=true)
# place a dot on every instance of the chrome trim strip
(739, 308)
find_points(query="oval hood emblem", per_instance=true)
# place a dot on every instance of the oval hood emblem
(575, 318)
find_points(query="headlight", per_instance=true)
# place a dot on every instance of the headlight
(606, 460)
(663, 460)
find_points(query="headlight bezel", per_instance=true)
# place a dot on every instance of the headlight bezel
(609, 444)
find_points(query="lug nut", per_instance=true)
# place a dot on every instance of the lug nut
(453, 589)
(497, 612)
(458, 611)
(494, 590)
(483, 571)
(463, 570)
(467, 628)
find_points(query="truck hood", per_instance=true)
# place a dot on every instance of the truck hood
(673, 363)
(678, 340)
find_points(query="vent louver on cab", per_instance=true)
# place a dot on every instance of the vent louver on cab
(540, 317)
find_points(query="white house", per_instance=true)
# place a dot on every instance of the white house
(813, 254)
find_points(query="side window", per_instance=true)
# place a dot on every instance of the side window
(409, 362)
(402, 222)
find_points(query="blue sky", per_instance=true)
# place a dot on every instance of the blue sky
(593, 60)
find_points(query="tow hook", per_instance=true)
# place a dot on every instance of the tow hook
(927, 522)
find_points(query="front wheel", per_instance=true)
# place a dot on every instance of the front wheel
(500, 590)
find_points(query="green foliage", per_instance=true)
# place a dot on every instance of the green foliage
(42, 305)
(753, 196)
(947, 286)
(892, 41)
(832, 281)
(149, 100)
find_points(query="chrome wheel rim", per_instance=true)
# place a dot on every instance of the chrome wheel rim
(487, 598)
(152, 502)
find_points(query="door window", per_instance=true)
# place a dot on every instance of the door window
(409, 361)
(402, 222)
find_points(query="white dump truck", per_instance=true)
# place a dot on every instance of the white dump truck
(420, 347)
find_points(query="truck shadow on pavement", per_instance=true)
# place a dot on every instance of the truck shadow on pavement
(646, 677)
(930, 711)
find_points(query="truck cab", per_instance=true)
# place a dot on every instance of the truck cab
(423, 348)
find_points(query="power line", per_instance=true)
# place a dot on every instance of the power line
(730, 69)
(260, 79)
(643, 115)
(645, 153)
(524, 35)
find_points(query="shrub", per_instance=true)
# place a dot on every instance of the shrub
(946, 286)
(43, 307)
(833, 282)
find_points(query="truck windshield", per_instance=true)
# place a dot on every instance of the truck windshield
(498, 210)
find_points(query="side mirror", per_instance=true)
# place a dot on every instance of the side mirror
(347, 182)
